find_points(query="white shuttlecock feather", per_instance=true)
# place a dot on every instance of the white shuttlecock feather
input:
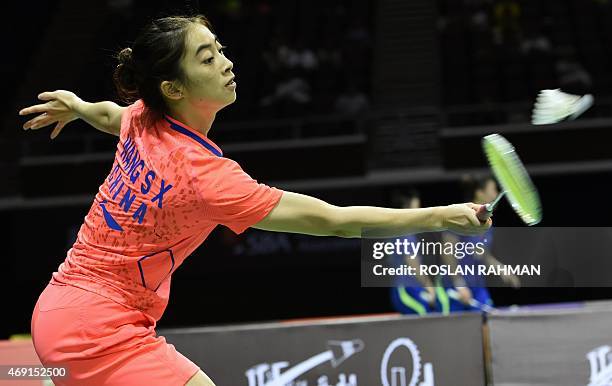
(553, 106)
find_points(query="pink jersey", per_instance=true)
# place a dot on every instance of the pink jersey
(169, 187)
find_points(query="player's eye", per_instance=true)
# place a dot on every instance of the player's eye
(211, 59)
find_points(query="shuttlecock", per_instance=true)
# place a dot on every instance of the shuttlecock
(553, 106)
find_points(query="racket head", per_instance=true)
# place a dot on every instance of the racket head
(511, 174)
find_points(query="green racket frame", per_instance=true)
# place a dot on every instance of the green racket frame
(513, 178)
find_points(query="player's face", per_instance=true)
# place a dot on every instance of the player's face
(207, 71)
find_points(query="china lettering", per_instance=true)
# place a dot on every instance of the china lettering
(134, 167)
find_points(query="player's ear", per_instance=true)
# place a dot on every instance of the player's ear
(171, 90)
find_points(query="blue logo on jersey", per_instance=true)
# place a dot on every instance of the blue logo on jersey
(110, 221)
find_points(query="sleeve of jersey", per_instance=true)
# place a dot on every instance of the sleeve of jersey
(231, 197)
(134, 110)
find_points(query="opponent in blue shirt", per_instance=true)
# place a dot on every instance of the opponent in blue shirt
(412, 295)
(469, 287)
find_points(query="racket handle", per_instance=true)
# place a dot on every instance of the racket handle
(486, 211)
(483, 214)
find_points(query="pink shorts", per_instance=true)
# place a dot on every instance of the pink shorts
(101, 342)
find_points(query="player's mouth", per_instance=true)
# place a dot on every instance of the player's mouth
(231, 83)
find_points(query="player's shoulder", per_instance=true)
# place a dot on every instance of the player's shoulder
(136, 109)
(135, 118)
(199, 153)
(202, 161)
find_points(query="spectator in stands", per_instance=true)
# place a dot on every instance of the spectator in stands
(352, 101)
(290, 96)
(292, 68)
(506, 28)
(479, 190)
(300, 58)
(536, 42)
(573, 77)
(479, 10)
(412, 295)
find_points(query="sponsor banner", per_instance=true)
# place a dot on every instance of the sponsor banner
(564, 347)
(386, 351)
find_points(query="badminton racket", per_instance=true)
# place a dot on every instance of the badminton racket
(516, 184)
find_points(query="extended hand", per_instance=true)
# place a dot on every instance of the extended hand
(461, 219)
(60, 108)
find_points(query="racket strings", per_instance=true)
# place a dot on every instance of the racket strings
(513, 177)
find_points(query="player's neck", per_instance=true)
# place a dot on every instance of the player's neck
(197, 119)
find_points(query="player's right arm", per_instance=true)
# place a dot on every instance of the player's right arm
(298, 213)
(63, 106)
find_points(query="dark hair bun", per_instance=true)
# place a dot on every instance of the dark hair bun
(125, 76)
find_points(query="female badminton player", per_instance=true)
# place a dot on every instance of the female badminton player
(169, 186)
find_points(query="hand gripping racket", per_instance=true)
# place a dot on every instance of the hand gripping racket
(514, 180)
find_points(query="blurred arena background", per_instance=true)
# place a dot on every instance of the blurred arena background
(345, 100)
